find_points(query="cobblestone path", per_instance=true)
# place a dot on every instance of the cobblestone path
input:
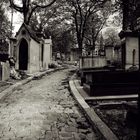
(43, 110)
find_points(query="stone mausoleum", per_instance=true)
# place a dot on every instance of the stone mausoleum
(31, 50)
(130, 34)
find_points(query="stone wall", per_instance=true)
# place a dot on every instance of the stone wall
(132, 43)
(47, 53)
(34, 57)
(89, 62)
(109, 52)
(4, 71)
(74, 55)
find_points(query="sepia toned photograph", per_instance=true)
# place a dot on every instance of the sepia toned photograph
(69, 69)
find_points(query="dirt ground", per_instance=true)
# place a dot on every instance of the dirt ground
(4, 85)
(116, 117)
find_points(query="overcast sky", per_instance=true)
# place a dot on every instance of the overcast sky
(17, 20)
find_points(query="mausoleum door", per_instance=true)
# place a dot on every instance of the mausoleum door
(23, 55)
(139, 53)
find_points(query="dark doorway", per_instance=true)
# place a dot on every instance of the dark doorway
(139, 53)
(42, 54)
(123, 47)
(23, 55)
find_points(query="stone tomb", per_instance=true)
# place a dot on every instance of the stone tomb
(4, 71)
(31, 50)
(130, 49)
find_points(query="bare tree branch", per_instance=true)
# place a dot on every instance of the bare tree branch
(45, 6)
(39, 6)
(16, 7)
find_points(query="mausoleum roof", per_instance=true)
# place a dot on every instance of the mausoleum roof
(31, 32)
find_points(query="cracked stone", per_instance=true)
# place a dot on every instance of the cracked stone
(84, 131)
(39, 111)
(48, 135)
(71, 129)
(90, 136)
(67, 110)
(79, 120)
(65, 134)
(82, 136)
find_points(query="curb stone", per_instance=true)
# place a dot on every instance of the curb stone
(12, 88)
(91, 115)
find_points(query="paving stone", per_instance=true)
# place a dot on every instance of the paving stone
(39, 111)
(65, 134)
(73, 120)
(19, 138)
(83, 125)
(48, 135)
(90, 136)
(79, 120)
(67, 110)
(52, 117)
(84, 131)
(9, 135)
(76, 136)
(74, 115)
(61, 126)
(67, 138)
(42, 134)
(27, 138)
(46, 127)
(23, 132)
(71, 129)
(82, 136)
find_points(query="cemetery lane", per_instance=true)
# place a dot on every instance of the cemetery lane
(43, 110)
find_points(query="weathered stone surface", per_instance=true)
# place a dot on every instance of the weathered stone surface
(91, 136)
(82, 136)
(65, 134)
(48, 135)
(84, 131)
(39, 111)
(71, 129)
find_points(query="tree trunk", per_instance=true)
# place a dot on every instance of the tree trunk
(80, 46)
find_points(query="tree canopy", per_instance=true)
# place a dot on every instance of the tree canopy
(83, 13)
(66, 18)
(4, 28)
(28, 7)
(111, 37)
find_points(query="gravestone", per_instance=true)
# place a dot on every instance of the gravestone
(4, 71)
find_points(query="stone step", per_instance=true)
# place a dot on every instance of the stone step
(118, 97)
